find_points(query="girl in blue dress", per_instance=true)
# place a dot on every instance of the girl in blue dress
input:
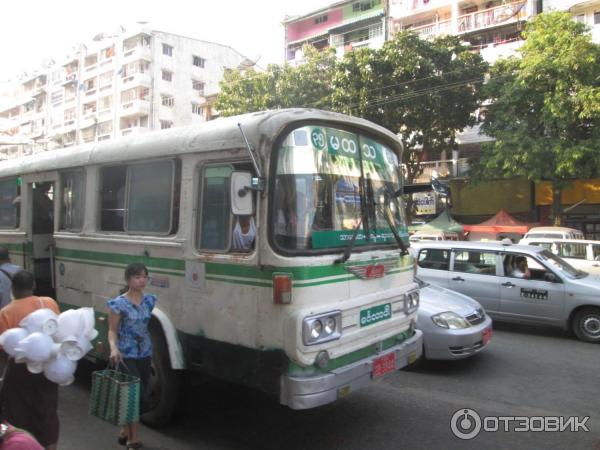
(129, 337)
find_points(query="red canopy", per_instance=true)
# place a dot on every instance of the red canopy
(502, 222)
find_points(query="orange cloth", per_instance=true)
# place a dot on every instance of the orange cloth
(12, 314)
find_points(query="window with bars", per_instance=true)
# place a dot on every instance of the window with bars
(167, 50)
(167, 100)
(167, 76)
(198, 61)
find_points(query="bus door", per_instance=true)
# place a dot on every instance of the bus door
(41, 236)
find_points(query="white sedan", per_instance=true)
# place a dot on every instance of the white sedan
(454, 326)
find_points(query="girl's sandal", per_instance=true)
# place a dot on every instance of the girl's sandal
(134, 445)
(122, 439)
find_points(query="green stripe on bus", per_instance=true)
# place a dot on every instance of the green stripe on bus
(249, 275)
(163, 263)
(116, 266)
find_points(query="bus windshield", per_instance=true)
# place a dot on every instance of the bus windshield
(331, 184)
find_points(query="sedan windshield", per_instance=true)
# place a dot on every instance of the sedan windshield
(330, 183)
(561, 265)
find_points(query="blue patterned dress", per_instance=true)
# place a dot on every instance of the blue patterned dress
(133, 336)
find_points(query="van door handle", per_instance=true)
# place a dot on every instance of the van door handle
(458, 279)
(508, 284)
(595, 265)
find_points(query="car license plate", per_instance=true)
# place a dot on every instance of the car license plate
(384, 364)
(487, 335)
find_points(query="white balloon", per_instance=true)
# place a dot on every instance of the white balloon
(69, 324)
(35, 347)
(11, 337)
(92, 334)
(60, 370)
(35, 367)
(75, 348)
(44, 320)
(87, 318)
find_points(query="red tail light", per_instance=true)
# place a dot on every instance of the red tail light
(282, 288)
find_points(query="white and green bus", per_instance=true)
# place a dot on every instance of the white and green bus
(321, 303)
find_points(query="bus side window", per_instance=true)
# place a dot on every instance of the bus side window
(9, 203)
(215, 221)
(112, 198)
(72, 202)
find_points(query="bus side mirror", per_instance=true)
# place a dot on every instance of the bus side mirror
(241, 193)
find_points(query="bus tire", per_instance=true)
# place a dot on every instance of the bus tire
(163, 385)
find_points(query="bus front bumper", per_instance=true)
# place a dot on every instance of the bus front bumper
(313, 391)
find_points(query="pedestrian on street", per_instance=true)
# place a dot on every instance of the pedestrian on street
(30, 401)
(7, 270)
(129, 339)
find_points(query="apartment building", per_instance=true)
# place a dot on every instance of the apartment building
(586, 11)
(493, 27)
(343, 26)
(115, 85)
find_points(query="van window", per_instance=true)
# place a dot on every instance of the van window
(596, 252)
(9, 203)
(72, 202)
(433, 258)
(570, 250)
(475, 261)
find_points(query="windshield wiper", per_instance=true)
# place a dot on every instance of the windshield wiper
(350, 246)
(387, 213)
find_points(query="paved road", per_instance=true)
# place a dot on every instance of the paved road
(525, 372)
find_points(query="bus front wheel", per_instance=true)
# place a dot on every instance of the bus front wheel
(163, 384)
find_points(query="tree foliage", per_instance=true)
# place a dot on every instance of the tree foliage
(308, 85)
(424, 90)
(545, 107)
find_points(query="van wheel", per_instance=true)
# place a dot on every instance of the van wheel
(163, 385)
(586, 324)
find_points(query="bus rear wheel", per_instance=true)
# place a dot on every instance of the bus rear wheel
(163, 385)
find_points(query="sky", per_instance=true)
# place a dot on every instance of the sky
(34, 31)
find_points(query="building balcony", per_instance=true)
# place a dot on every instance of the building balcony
(88, 120)
(134, 131)
(69, 79)
(469, 23)
(136, 53)
(136, 79)
(432, 30)
(492, 17)
(135, 108)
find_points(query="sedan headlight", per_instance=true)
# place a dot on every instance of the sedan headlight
(322, 328)
(450, 320)
(411, 302)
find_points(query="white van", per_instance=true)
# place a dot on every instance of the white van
(434, 236)
(581, 254)
(551, 233)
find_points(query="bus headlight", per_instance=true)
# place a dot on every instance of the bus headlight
(411, 302)
(322, 328)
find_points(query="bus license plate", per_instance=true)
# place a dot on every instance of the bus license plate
(384, 364)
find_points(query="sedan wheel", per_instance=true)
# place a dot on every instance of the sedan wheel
(586, 324)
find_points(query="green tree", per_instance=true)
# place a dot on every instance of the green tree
(309, 84)
(545, 108)
(424, 90)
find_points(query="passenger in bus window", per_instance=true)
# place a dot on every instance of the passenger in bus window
(244, 233)
(130, 341)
